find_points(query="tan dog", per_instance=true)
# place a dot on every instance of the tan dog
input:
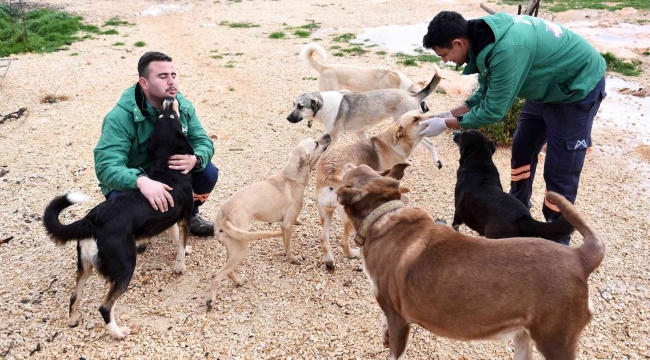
(276, 199)
(468, 288)
(380, 152)
(337, 77)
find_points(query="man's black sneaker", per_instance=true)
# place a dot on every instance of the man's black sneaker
(200, 227)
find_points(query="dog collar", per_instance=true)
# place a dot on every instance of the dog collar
(374, 216)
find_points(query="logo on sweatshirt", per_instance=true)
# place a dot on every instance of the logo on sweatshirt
(555, 29)
(184, 130)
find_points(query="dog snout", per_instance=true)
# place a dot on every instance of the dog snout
(455, 137)
(293, 118)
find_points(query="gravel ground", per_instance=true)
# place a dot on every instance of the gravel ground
(283, 311)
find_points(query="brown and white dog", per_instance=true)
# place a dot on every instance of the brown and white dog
(338, 77)
(279, 198)
(464, 287)
(380, 152)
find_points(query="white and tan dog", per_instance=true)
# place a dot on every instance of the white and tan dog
(279, 198)
(338, 77)
(357, 112)
(390, 147)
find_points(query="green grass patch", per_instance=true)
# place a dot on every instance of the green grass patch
(628, 68)
(339, 54)
(310, 78)
(217, 56)
(317, 39)
(408, 62)
(646, 53)
(344, 38)
(302, 33)
(372, 46)
(230, 64)
(414, 60)
(140, 43)
(110, 32)
(440, 91)
(564, 5)
(239, 54)
(74, 54)
(277, 35)
(116, 21)
(238, 25)
(380, 53)
(313, 25)
(335, 47)
(355, 50)
(231, 89)
(502, 132)
(119, 43)
(43, 30)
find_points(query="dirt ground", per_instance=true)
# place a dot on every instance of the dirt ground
(283, 311)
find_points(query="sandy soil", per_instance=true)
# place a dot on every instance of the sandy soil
(284, 311)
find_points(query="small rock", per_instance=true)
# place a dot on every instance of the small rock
(90, 325)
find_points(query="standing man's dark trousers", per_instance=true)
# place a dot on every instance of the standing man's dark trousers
(203, 183)
(566, 129)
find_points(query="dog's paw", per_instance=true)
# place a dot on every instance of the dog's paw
(188, 249)
(295, 259)
(328, 260)
(117, 332)
(179, 267)
(354, 254)
(73, 321)
(439, 164)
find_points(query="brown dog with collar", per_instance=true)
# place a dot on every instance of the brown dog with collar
(464, 287)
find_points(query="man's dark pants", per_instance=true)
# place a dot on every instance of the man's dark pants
(566, 129)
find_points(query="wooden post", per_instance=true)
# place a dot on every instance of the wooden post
(487, 9)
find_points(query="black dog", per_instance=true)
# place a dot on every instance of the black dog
(481, 202)
(106, 236)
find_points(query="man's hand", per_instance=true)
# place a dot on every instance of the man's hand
(183, 163)
(435, 127)
(156, 192)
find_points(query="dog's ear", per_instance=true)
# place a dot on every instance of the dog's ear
(347, 195)
(399, 132)
(493, 147)
(348, 167)
(316, 104)
(396, 172)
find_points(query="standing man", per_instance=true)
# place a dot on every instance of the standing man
(560, 75)
(121, 153)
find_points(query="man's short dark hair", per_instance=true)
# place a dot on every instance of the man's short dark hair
(444, 28)
(147, 58)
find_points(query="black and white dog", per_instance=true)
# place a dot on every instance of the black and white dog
(106, 236)
(481, 202)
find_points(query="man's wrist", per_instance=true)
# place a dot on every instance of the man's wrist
(199, 162)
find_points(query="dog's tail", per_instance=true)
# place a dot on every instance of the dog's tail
(307, 52)
(241, 235)
(78, 230)
(432, 86)
(593, 249)
(554, 230)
